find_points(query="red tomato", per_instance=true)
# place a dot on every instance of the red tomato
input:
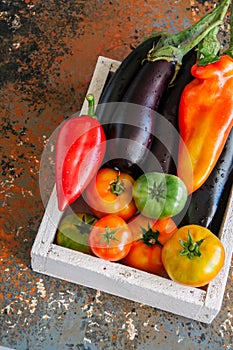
(110, 238)
(110, 192)
(145, 252)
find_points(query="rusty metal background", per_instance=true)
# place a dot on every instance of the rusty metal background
(48, 52)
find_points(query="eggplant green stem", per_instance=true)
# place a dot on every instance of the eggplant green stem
(91, 105)
(173, 47)
(175, 54)
(209, 47)
(229, 51)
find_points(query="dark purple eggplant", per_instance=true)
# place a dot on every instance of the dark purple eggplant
(210, 199)
(121, 79)
(129, 67)
(132, 126)
(166, 138)
(217, 220)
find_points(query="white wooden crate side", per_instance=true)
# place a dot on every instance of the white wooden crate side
(125, 281)
(118, 279)
(103, 67)
(46, 233)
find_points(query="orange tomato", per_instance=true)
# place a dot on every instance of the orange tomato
(110, 192)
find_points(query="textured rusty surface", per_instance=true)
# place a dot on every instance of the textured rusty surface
(48, 53)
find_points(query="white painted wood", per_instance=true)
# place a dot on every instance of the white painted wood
(103, 67)
(123, 281)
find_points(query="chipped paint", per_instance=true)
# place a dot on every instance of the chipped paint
(227, 325)
(41, 288)
(131, 329)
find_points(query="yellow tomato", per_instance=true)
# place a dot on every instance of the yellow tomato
(193, 256)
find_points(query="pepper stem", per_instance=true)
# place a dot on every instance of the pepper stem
(229, 51)
(91, 105)
(173, 47)
(209, 48)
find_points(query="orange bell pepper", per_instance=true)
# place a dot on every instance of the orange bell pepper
(205, 120)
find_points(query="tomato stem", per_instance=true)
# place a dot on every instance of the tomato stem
(157, 191)
(83, 225)
(150, 237)
(191, 248)
(108, 236)
(117, 187)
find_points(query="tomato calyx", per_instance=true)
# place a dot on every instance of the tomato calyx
(108, 236)
(157, 191)
(117, 186)
(82, 225)
(150, 237)
(191, 248)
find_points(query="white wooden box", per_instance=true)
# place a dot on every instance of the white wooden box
(114, 278)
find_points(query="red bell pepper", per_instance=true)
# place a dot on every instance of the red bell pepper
(80, 149)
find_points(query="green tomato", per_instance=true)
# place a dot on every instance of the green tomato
(73, 231)
(159, 195)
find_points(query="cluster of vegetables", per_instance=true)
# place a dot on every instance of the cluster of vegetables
(154, 216)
